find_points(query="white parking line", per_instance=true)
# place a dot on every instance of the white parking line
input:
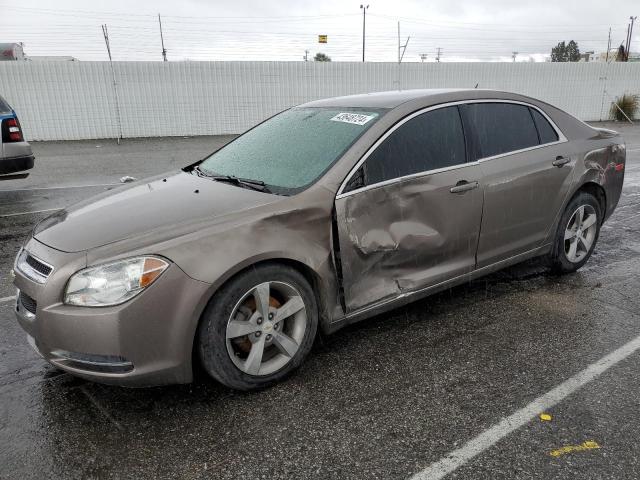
(29, 213)
(488, 438)
(7, 299)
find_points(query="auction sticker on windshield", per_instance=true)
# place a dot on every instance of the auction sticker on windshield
(355, 118)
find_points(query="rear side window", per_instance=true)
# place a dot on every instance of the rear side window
(502, 127)
(4, 107)
(429, 141)
(545, 130)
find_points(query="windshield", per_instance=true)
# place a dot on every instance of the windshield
(291, 150)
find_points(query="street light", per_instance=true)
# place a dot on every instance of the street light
(364, 22)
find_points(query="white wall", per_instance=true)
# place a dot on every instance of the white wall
(75, 100)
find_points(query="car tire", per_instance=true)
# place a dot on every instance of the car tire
(574, 243)
(237, 308)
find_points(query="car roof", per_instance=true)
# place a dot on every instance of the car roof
(394, 98)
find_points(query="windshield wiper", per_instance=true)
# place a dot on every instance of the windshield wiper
(258, 185)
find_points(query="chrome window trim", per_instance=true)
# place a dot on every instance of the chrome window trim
(27, 270)
(372, 148)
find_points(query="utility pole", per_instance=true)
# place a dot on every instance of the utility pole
(401, 48)
(404, 48)
(608, 45)
(364, 24)
(514, 55)
(626, 46)
(438, 56)
(633, 19)
(398, 41)
(306, 55)
(423, 57)
(105, 33)
(164, 50)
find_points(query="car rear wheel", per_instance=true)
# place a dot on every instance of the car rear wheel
(258, 328)
(577, 234)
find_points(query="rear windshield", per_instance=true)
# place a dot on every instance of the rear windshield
(4, 107)
(290, 151)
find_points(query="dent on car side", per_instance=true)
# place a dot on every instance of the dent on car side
(360, 259)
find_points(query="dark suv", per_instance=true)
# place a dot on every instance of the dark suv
(15, 152)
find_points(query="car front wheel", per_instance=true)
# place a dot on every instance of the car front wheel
(577, 234)
(258, 328)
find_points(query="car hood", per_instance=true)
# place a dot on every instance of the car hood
(142, 207)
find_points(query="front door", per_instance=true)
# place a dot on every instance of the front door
(409, 216)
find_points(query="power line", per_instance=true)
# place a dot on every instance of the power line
(80, 13)
(430, 22)
(136, 38)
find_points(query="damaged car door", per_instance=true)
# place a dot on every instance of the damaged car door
(408, 216)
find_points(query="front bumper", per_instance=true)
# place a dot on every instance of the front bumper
(16, 164)
(145, 341)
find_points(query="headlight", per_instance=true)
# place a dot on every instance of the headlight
(113, 283)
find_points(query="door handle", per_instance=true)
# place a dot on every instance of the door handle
(462, 186)
(560, 161)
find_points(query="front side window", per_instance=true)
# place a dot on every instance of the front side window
(430, 141)
(290, 151)
(502, 127)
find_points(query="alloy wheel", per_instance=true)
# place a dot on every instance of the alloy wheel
(266, 328)
(580, 233)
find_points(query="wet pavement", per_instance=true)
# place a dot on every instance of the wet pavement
(381, 399)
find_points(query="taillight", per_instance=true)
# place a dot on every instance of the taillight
(11, 131)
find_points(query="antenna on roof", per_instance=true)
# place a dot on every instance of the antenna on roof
(476, 85)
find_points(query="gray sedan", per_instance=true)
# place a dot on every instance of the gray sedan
(325, 214)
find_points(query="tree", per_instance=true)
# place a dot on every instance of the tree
(558, 53)
(573, 52)
(565, 52)
(321, 57)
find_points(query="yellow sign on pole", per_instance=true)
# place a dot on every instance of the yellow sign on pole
(322, 39)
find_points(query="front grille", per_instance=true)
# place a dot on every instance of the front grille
(27, 302)
(38, 266)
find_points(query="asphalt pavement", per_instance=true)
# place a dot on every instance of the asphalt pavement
(442, 381)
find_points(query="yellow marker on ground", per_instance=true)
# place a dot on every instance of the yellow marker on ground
(588, 445)
(545, 417)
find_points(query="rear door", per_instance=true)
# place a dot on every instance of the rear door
(526, 173)
(409, 215)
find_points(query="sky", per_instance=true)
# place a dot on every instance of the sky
(465, 30)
